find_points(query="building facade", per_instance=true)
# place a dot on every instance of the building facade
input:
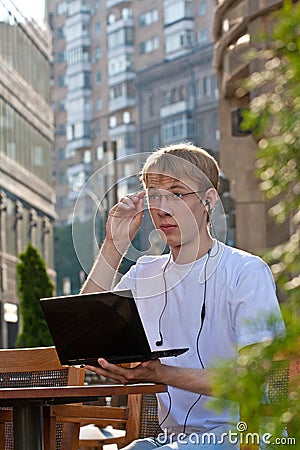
(128, 76)
(27, 199)
(236, 27)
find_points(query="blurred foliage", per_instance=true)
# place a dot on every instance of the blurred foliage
(33, 284)
(274, 117)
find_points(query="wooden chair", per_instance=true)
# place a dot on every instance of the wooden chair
(137, 419)
(141, 420)
(282, 380)
(41, 367)
(35, 367)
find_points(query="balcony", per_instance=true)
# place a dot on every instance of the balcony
(121, 103)
(112, 3)
(174, 108)
(122, 77)
(77, 144)
(127, 22)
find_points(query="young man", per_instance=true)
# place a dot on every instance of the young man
(203, 295)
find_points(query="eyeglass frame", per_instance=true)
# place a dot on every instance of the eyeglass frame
(173, 195)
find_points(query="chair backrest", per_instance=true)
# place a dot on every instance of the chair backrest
(284, 376)
(282, 380)
(33, 367)
(142, 418)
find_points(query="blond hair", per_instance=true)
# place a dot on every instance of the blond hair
(183, 160)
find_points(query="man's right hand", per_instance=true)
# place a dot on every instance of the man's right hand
(124, 220)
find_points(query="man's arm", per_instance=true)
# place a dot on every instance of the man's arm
(124, 220)
(102, 274)
(200, 381)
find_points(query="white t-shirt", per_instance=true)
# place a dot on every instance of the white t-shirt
(240, 295)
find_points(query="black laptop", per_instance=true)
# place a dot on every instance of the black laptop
(106, 324)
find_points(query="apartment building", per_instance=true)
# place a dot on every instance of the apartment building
(237, 25)
(128, 76)
(27, 199)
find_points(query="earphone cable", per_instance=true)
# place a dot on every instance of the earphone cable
(160, 342)
(198, 337)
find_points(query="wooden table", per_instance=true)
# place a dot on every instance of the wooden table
(28, 405)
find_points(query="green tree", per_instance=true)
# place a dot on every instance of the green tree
(33, 284)
(274, 117)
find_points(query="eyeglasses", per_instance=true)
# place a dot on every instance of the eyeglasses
(172, 197)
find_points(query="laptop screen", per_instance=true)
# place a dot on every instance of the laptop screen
(85, 327)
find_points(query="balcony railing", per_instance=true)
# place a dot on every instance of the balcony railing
(112, 3)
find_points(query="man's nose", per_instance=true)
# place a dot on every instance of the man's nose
(165, 206)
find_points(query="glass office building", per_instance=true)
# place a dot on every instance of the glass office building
(27, 200)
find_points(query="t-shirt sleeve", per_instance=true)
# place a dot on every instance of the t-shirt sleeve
(256, 315)
(128, 281)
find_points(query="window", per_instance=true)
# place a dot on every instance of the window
(75, 104)
(120, 64)
(80, 80)
(181, 91)
(87, 157)
(178, 10)
(10, 312)
(125, 142)
(78, 130)
(206, 86)
(60, 33)
(97, 28)
(64, 201)
(76, 180)
(148, 18)
(61, 154)
(86, 80)
(111, 19)
(149, 46)
(126, 117)
(151, 105)
(61, 8)
(203, 36)
(123, 36)
(97, 53)
(214, 86)
(173, 95)
(61, 106)
(37, 156)
(176, 128)
(126, 13)
(99, 153)
(61, 130)
(202, 8)
(98, 77)
(73, 32)
(61, 81)
(178, 41)
(112, 121)
(99, 104)
(79, 54)
(61, 57)
(154, 140)
(74, 6)
(199, 88)
(166, 98)
(119, 90)
(63, 177)
(11, 149)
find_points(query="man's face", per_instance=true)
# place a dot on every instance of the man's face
(180, 219)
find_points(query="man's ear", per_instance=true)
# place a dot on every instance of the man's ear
(210, 200)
